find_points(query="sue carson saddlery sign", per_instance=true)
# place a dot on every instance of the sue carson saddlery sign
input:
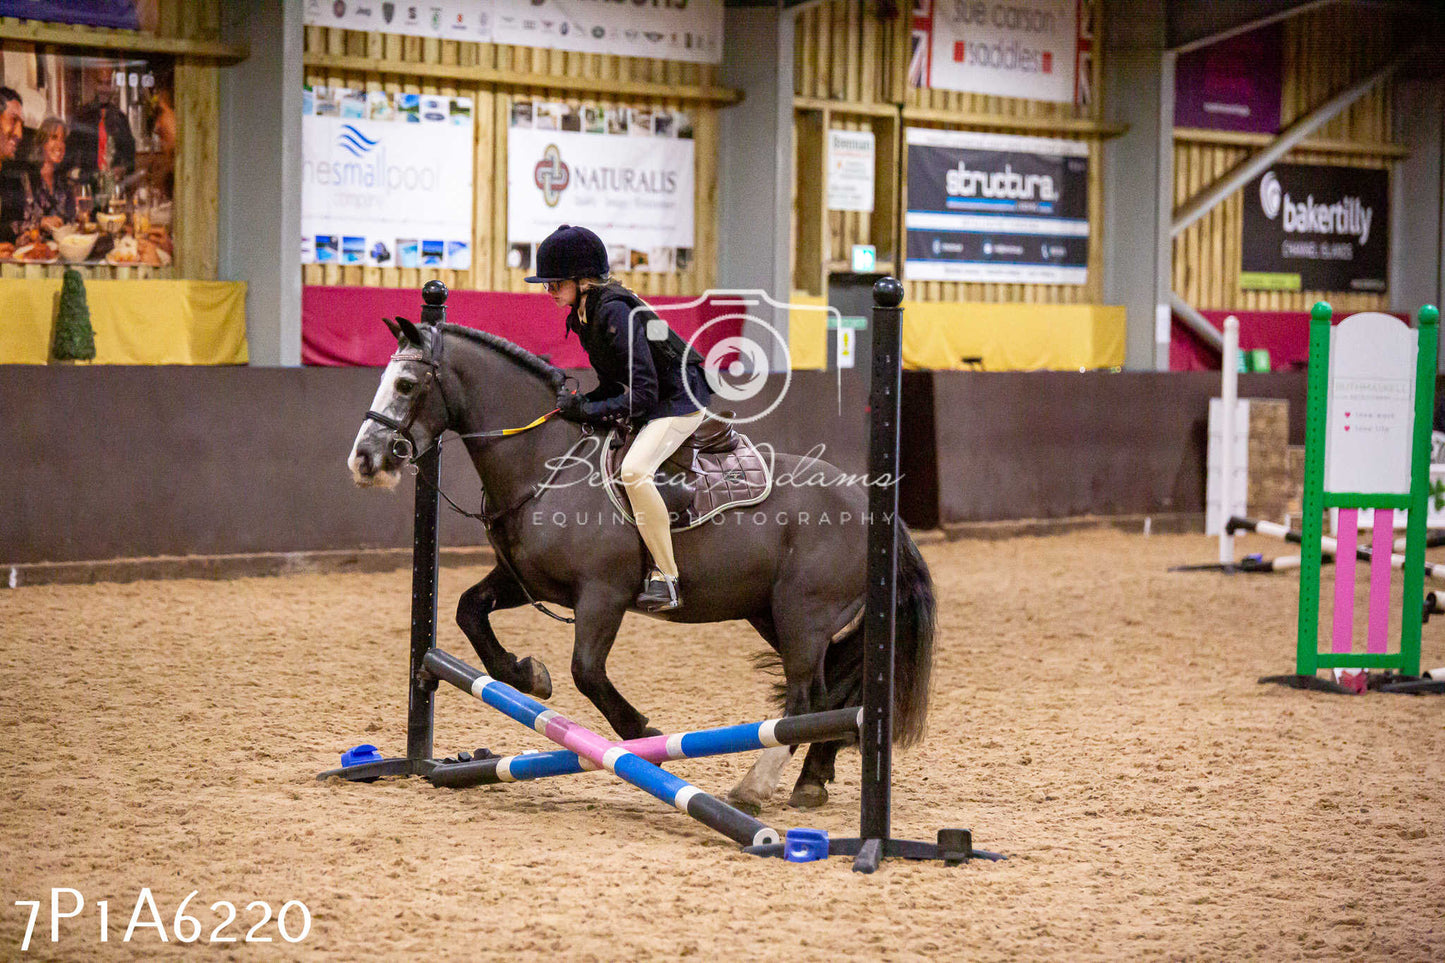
(997, 208)
(850, 170)
(626, 173)
(1316, 228)
(1022, 48)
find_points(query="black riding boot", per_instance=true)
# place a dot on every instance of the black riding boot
(659, 594)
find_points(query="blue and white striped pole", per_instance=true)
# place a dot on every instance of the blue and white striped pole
(788, 731)
(628, 766)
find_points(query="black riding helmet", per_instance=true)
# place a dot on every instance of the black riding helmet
(570, 253)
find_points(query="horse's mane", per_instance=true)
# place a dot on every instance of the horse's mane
(550, 373)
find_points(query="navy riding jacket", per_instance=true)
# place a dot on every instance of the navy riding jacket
(637, 378)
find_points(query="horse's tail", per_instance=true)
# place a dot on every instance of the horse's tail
(912, 649)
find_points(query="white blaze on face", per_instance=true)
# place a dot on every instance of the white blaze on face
(375, 438)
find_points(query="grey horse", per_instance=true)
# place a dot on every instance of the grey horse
(792, 566)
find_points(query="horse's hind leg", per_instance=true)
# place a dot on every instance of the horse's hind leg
(499, 590)
(811, 789)
(755, 789)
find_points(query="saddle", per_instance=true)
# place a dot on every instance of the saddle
(715, 469)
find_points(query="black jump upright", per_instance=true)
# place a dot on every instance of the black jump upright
(885, 397)
(421, 688)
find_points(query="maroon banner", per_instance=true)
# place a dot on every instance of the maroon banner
(342, 325)
(1234, 84)
(1284, 334)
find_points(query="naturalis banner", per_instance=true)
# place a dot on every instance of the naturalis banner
(386, 179)
(626, 173)
(688, 30)
(1316, 228)
(996, 208)
(1012, 48)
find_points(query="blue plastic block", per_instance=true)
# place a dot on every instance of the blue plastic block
(357, 755)
(805, 845)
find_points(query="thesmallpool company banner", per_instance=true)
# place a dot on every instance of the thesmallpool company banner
(627, 174)
(995, 207)
(386, 179)
(1316, 228)
(665, 29)
(1015, 48)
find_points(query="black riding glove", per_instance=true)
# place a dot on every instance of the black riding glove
(570, 405)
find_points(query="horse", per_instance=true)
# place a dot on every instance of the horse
(792, 566)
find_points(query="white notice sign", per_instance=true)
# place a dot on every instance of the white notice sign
(1371, 410)
(850, 170)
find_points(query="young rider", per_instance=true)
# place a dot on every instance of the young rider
(656, 384)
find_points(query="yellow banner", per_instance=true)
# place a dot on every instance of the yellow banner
(944, 336)
(135, 322)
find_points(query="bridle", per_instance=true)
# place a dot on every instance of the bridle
(403, 446)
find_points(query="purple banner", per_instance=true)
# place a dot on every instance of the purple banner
(1232, 85)
(93, 13)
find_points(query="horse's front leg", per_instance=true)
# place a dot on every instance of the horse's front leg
(599, 614)
(499, 590)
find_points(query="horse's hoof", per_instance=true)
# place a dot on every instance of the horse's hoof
(746, 802)
(539, 682)
(810, 796)
(649, 732)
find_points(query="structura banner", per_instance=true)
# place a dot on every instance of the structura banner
(996, 208)
(1316, 228)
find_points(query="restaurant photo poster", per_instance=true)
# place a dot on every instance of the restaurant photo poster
(87, 158)
(1311, 227)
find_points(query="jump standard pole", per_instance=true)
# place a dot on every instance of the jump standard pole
(875, 842)
(421, 688)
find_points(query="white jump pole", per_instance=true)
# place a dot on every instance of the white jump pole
(1229, 401)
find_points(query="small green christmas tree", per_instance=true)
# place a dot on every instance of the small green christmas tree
(74, 337)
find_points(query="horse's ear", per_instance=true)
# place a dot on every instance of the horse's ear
(409, 331)
(393, 328)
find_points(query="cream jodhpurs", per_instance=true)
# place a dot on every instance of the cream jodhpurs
(658, 439)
